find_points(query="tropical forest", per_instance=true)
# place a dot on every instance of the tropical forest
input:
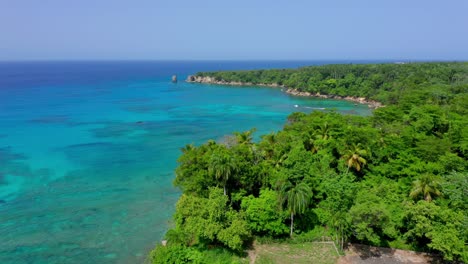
(396, 179)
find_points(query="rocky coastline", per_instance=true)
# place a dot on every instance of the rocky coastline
(357, 100)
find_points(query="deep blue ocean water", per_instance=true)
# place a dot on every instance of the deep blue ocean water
(88, 150)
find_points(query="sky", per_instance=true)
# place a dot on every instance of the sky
(233, 30)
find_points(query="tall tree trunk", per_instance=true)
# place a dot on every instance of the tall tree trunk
(342, 238)
(292, 224)
(225, 189)
(342, 243)
(337, 237)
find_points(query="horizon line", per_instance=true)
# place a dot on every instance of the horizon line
(234, 60)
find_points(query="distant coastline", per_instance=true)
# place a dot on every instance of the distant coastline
(359, 100)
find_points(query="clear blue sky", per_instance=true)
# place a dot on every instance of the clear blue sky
(235, 29)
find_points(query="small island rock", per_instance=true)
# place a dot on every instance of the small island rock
(190, 78)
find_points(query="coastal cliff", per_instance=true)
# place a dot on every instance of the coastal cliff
(296, 92)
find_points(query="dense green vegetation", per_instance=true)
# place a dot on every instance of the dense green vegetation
(398, 178)
(386, 83)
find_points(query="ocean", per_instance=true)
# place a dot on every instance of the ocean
(88, 149)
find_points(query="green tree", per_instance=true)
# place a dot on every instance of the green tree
(455, 189)
(295, 198)
(211, 220)
(263, 215)
(340, 191)
(441, 229)
(427, 186)
(192, 173)
(222, 166)
(370, 218)
(175, 254)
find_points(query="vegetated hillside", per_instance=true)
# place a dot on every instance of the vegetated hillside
(398, 178)
(386, 83)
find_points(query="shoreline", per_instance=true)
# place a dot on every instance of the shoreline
(292, 91)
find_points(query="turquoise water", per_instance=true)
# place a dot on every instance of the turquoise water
(88, 150)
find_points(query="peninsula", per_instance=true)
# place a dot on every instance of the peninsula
(372, 84)
(292, 91)
(395, 179)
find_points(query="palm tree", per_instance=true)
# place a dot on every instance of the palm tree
(354, 157)
(222, 165)
(428, 186)
(187, 148)
(211, 143)
(310, 141)
(295, 198)
(245, 138)
(313, 139)
(268, 145)
(323, 131)
(339, 222)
